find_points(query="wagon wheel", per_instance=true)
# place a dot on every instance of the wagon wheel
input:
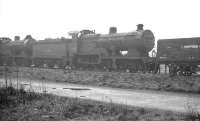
(187, 73)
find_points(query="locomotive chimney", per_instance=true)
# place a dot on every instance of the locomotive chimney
(113, 30)
(17, 38)
(140, 27)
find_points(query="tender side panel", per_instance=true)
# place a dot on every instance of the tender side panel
(49, 50)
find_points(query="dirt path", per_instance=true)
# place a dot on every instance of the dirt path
(148, 99)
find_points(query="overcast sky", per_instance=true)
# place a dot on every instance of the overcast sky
(55, 18)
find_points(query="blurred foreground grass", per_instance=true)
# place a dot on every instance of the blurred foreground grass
(18, 105)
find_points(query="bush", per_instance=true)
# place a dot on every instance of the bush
(5, 96)
(192, 114)
(12, 96)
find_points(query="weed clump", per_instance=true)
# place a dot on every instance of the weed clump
(11, 96)
(192, 114)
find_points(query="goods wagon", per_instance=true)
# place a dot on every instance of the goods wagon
(182, 55)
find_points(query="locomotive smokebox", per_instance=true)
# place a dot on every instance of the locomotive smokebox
(140, 27)
(113, 30)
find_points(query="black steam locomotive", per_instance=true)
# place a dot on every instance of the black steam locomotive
(113, 51)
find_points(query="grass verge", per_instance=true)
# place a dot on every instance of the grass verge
(117, 79)
(18, 105)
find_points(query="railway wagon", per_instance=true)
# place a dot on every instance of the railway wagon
(181, 55)
(114, 50)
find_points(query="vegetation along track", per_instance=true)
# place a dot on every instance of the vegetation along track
(114, 79)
